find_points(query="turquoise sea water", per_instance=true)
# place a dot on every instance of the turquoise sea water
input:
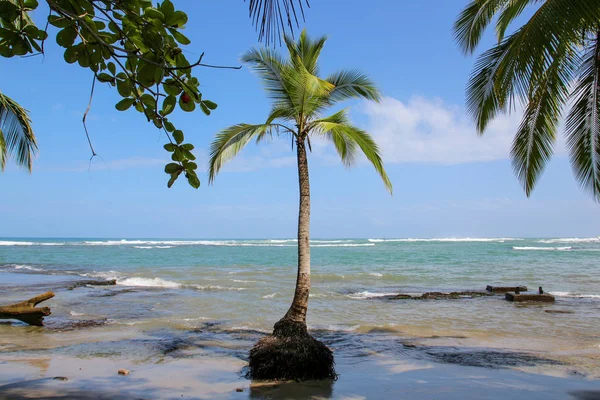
(178, 285)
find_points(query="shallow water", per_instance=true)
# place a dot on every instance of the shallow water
(179, 298)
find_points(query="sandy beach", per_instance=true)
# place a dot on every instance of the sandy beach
(204, 376)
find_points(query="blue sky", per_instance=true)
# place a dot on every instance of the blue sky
(447, 181)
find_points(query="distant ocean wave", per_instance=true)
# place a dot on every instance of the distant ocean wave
(575, 295)
(537, 248)
(459, 240)
(166, 284)
(571, 240)
(24, 243)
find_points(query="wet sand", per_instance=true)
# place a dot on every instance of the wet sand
(214, 377)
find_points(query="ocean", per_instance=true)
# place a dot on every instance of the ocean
(170, 293)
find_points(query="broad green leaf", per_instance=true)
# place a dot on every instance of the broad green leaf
(168, 105)
(124, 104)
(211, 105)
(170, 147)
(66, 37)
(172, 167)
(178, 136)
(193, 179)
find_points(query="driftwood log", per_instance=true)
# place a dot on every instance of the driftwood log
(27, 311)
(504, 289)
(517, 297)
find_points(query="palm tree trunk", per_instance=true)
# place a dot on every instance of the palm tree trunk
(297, 311)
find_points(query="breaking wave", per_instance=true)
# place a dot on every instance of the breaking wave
(575, 295)
(535, 248)
(410, 240)
(570, 240)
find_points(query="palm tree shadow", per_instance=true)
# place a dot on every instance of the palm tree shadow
(292, 390)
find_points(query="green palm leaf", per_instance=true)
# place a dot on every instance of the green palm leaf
(583, 123)
(471, 23)
(271, 68)
(16, 134)
(535, 66)
(534, 141)
(299, 96)
(229, 142)
(346, 138)
(352, 84)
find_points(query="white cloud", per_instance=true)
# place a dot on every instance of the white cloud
(425, 130)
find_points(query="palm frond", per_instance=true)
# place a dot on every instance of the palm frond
(230, 142)
(308, 92)
(583, 123)
(509, 13)
(17, 139)
(273, 18)
(534, 141)
(346, 138)
(472, 21)
(271, 68)
(515, 67)
(306, 50)
(484, 101)
(352, 84)
(345, 148)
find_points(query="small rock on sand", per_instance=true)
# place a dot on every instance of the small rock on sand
(239, 390)
(123, 372)
(61, 378)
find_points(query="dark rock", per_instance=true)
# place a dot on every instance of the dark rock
(559, 311)
(540, 298)
(110, 282)
(239, 390)
(439, 296)
(60, 378)
(504, 289)
(123, 372)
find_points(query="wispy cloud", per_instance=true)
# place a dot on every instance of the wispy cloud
(431, 131)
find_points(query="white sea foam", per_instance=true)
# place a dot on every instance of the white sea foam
(213, 287)
(143, 247)
(14, 243)
(571, 240)
(335, 328)
(368, 295)
(164, 247)
(575, 295)
(376, 274)
(149, 282)
(242, 281)
(467, 239)
(344, 245)
(76, 314)
(270, 296)
(27, 267)
(535, 248)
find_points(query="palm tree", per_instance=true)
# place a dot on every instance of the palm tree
(548, 64)
(16, 134)
(299, 98)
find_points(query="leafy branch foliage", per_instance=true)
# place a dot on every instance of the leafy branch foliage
(131, 45)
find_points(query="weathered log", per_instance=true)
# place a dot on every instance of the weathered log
(27, 311)
(110, 282)
(504, 289)
(542, 298)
